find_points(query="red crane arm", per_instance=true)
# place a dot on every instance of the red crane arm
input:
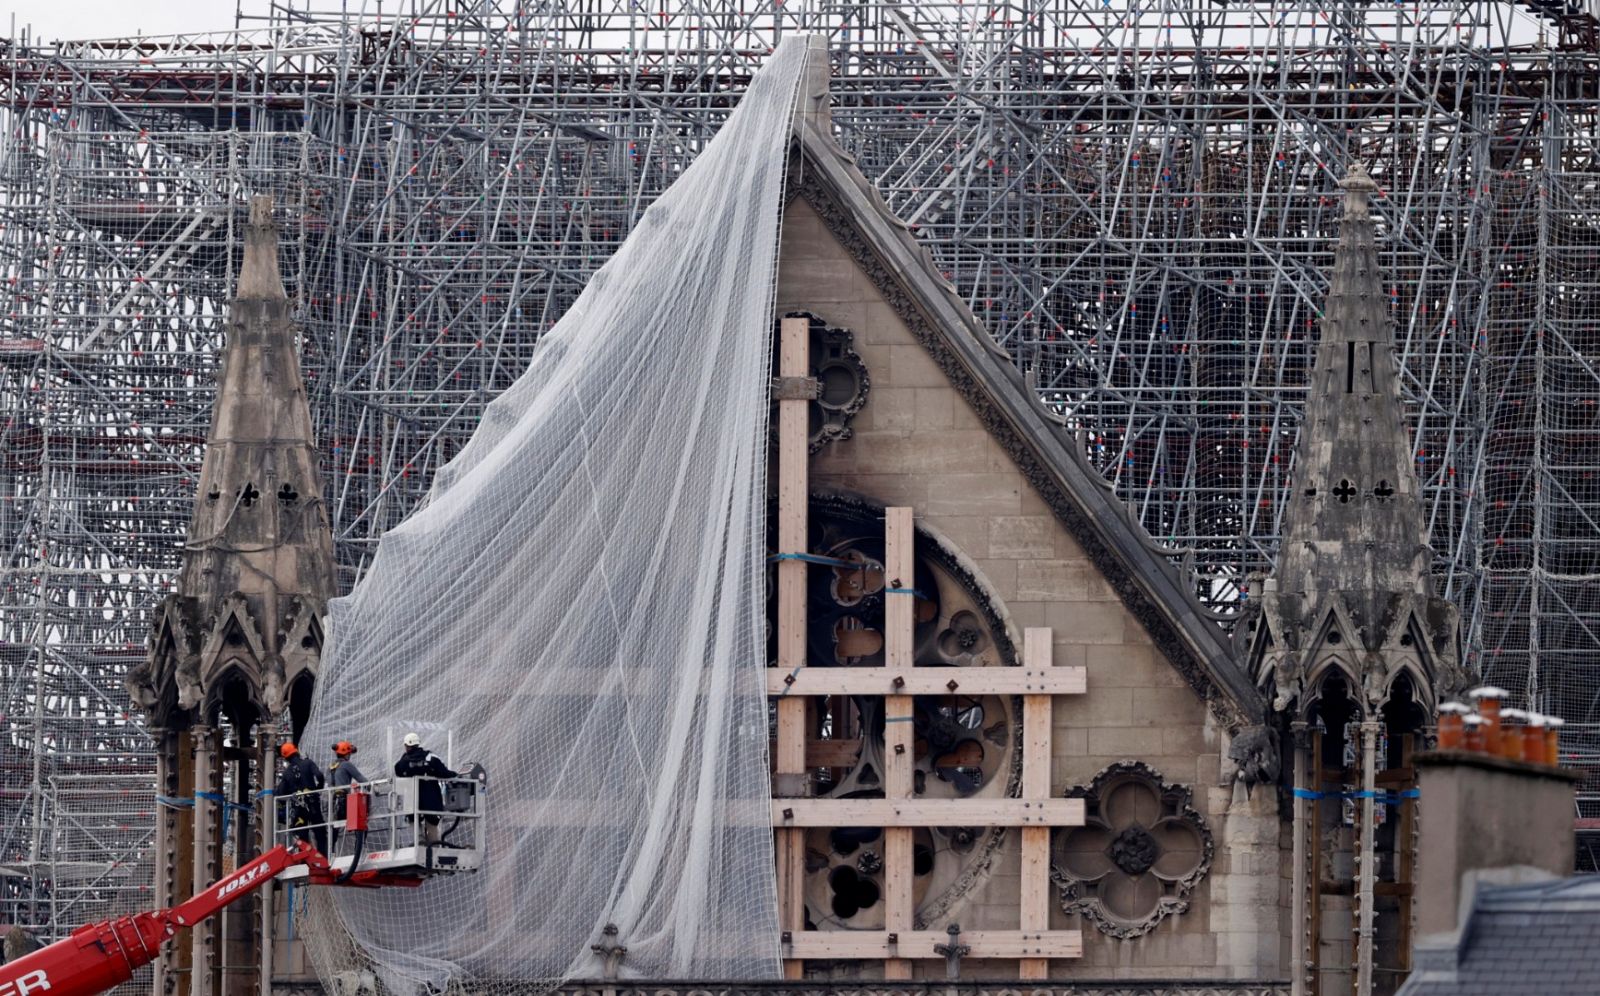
(98, 956)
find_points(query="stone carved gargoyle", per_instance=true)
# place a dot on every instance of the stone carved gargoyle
(1285, 681)
(1254, 753)
(273, 685)
(187, 678)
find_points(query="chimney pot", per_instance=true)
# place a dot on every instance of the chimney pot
(1533, 749)
(1451, 729)
(1552, 740)
(1511, 738)
(1488, 698)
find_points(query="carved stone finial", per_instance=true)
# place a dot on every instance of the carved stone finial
(1357, 186)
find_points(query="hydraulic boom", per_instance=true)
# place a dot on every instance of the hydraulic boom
(98, 956)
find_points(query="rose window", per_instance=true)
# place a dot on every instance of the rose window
(1140, 852)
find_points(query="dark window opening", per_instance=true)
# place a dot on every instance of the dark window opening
(1350, 368)
(1383, 491)
(248, 495)
(287, 495)
(1344, 492)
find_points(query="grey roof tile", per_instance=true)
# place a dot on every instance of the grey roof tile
(1538, 940)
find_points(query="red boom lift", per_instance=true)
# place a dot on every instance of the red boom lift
(98, 956)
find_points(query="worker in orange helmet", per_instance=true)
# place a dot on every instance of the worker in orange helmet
(300, 788)
(342, 774)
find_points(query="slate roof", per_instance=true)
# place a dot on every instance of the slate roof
(1135, 565)
(1539, 940)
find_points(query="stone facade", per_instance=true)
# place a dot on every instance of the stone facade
(918, 442)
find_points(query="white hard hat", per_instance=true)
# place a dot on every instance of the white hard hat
(412, 740)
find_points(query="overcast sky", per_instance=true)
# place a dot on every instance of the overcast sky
(107, 18)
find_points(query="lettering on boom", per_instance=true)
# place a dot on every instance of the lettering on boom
(229, 887)
(32, 982)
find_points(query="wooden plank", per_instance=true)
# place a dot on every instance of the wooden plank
(1035, 878)
(1036, 716)
(927, 813)
(899, 742)
(899, 652)
(792, 890)
(854, 944)
(831, 753)
(927, 681)
(823, 753)
(794, 499)
(1037, 722)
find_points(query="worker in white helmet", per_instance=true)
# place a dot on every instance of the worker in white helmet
(416, 762)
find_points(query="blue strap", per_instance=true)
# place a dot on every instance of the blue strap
(216, 797)
(174, 802)
(1385, 797)
(813, 558)
(906, 591)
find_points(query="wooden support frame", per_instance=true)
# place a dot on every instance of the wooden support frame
(900, 812)
(1026, 680)
(897, 813)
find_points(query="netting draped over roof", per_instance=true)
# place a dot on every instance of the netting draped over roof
(579, 607)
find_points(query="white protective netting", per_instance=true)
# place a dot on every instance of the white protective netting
(580, 607)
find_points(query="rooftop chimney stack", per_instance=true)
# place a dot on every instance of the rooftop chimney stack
(1493, 812)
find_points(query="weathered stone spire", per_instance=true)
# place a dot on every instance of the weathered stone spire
(1353, 591)
(258, 564)
(1348, 637)
(1354, 521)
(240, 639)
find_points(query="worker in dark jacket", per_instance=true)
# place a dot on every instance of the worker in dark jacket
(418, 763)
(300, 788)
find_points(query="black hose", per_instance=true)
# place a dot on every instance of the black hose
(355, 860)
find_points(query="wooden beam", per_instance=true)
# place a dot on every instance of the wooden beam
(829, 753)
(899, 740)
(794, 499)
(854, 944)
(1037, 722)
(927, 813)
(927, 681)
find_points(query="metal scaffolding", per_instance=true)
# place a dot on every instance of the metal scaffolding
(1138, 199)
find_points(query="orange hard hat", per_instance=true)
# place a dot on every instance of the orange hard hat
(288, 750)
(344, 747)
